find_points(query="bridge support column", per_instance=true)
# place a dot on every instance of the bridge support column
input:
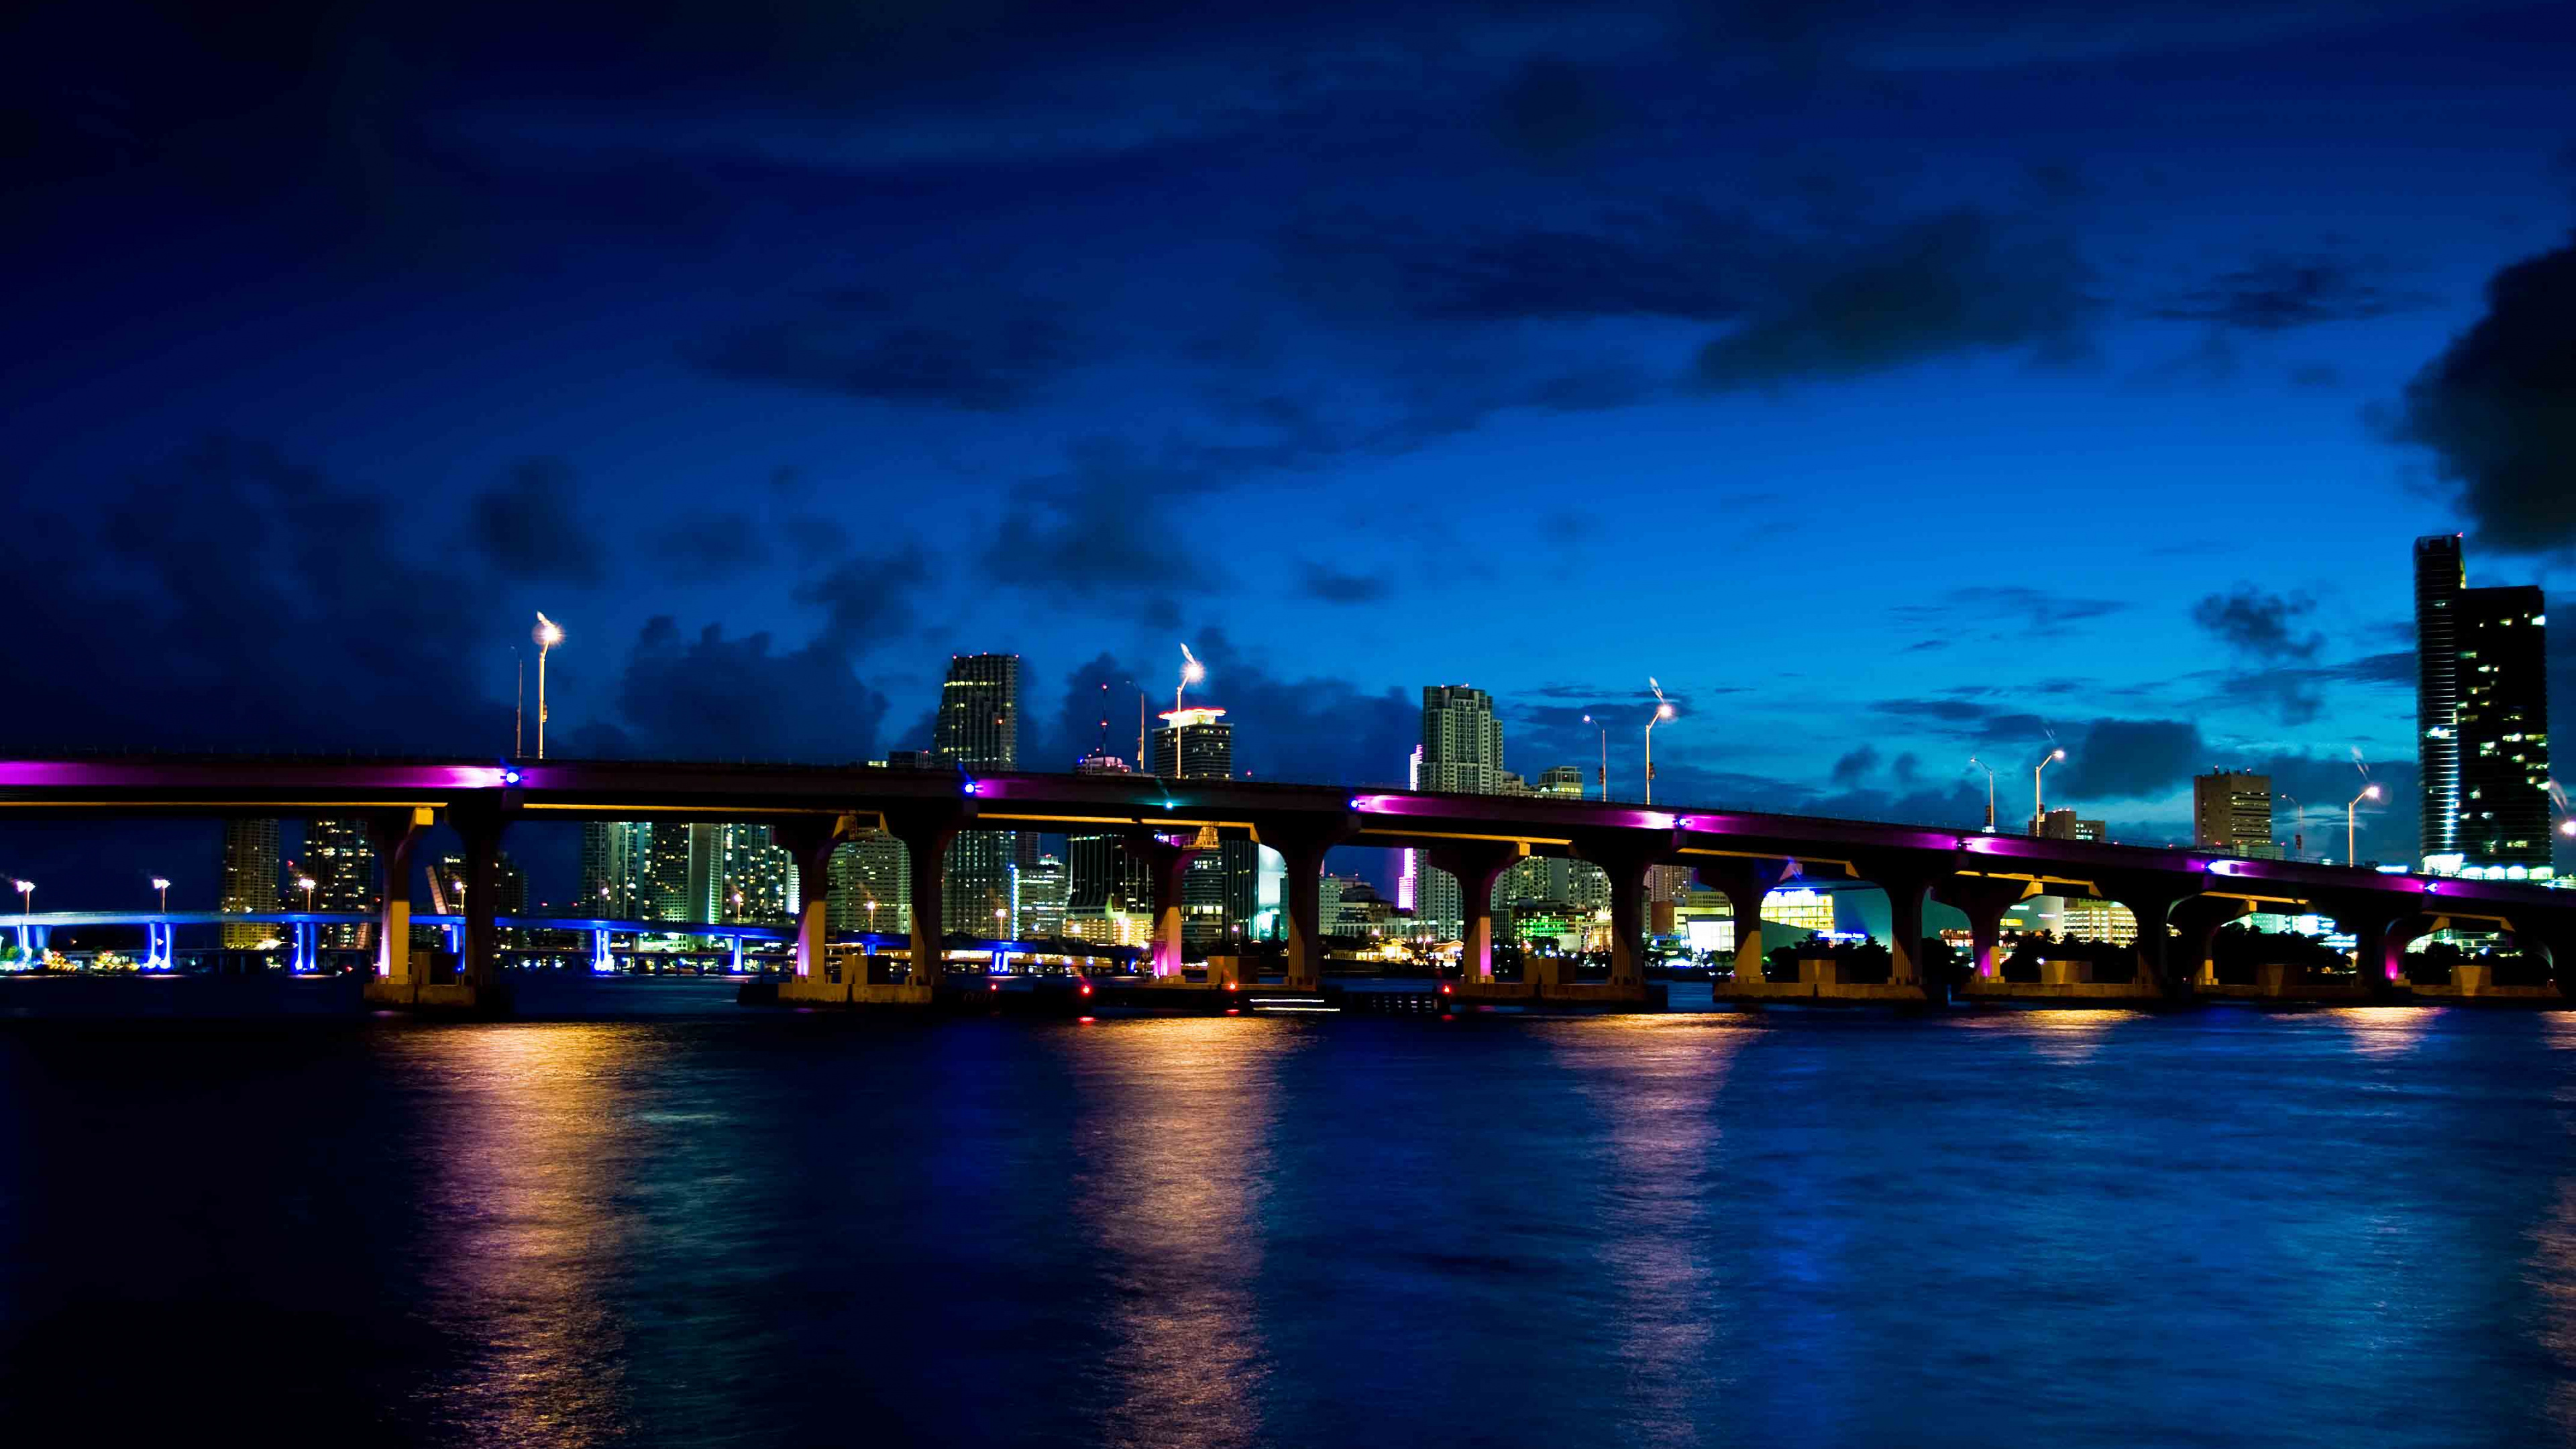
(1745, 880)
(810, 841)
(2151, 904)
(1167, 861)
(2197, 920)
(1477, 865)
(925, 834)
(1626, 858)
(394, 835)
(1907, 882)
(1303, 845)
(1983, 900)
(2380, 931)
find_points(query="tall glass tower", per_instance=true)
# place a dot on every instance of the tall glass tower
(1462, 753)
(2441, 577)
(2482, 719)
(979, 729)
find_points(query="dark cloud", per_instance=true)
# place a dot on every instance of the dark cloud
(1321, 729)
(2498, 409)
(1906, 768)
(1551, 110)
(1107, 524)
(230, 598)
(715, 541)
(867, 345)
(1960, 282)
(2128, 759)
(1674, 258)
(2316, 376)
(2005, 611)
(533, 527)
(2395, 667)
(867, 600)
(1856, 766)
(711, 697)
(1331, 585)
(2278, 293)
(2259, 624)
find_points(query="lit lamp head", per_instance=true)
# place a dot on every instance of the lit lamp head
(2370, 794)
(160, 884)
(2567, 827)
(304, 882)
(548, 634)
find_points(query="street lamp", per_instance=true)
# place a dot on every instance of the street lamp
(1604, 778)
(1192, 671)
(549, 634)
(162, 885)
(872, 918)
(305, 884)
(1990, 791)
(2350, 855)
(2037, 813)
(1663, 711)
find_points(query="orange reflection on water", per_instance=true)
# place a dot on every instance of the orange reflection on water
(1654, 1083)
(523, 1232)
(1181, 1138)
(2067, 1036)
(2382, 1032)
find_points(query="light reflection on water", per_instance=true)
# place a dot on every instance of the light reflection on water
(2065, 1228)
(1176, 1127)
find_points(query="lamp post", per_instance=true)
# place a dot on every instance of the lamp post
(1663, 711)
(1990, 791)
(26, 908)
(872, 918)
(2352, 856)
(1603, 779)
(2037, 813)
(305, 884)
(162, 884)
(549, 634)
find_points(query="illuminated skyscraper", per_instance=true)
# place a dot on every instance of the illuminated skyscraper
(1462, 753)
(342, 862)
(1101, 877)
(249, 879)
(979, 729)
(873, 868)
(2482, 719)
(2231, 810)
(760, 876)
(1219, 890)
(617, 870)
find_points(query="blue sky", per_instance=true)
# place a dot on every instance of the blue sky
(1893, 382)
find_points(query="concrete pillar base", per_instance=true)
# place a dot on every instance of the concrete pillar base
(439, 998)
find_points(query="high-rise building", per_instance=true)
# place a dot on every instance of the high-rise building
(1100, 876)
(2063, 824)
(2504, 732)
(2482, 719)
(512, 883)
(874, 870)
(249, 879)
(979, 729)
(1220, 889)
(617, 870)
(666, 873)
(2231, 810)
(1462, 753)
(342, 861)
(1040, 907)
(760, 882)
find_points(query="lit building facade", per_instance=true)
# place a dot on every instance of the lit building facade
(1220, 889)
(342, 861)
(2231, 810)
(617, 870)
(1462, 753)
(1040, 905)
(249, 880)
(2482, 720)
(871, 887)
(978, 729)
(760, 882)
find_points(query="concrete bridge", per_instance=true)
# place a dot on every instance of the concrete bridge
(2179, 897)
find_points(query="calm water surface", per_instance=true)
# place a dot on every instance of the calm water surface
(706, 1225)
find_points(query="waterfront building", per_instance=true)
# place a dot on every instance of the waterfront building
(873, 869)
(760, 882)
(447, 893)
(2482, 720)
(2231, 810)
(1220, 889)
(249, 880)
(1462, 753)
(617, 870)
(1039, 904)
(978, 729)
(342, 861)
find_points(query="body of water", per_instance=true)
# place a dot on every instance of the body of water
(701, 1224)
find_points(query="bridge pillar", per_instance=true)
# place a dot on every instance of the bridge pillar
(925, 834)
(810, 841)
(2151, 903)
(1303, 845)
(2197, 920)
(394, 835)
(1983, 900)
(481, 826)
(1477, 865)
(1625, 858)
(1745, 880)
(1167, 861)
(1906, 882)
(2380, 930)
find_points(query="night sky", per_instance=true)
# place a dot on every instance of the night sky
(1895, 382)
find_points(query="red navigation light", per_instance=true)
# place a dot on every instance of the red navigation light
(996, 986)
(1234, 1011)
(1086, 988)
(1229, 986)
(1446, 989)
(1086, 1020)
